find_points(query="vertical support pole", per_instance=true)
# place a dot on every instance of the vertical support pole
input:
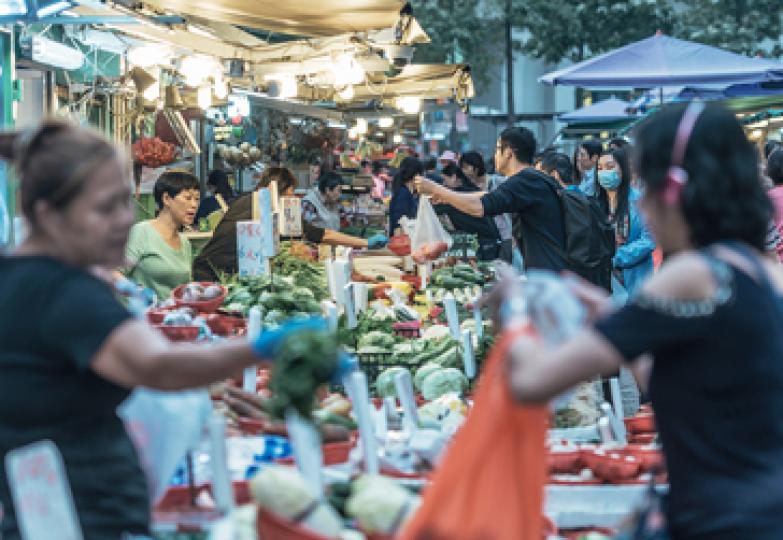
(7, 76)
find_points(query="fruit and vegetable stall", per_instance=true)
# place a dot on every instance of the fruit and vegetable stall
(421, 340)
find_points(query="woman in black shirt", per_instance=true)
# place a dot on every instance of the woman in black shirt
(483, 227)
(709, 323)
(69, 352)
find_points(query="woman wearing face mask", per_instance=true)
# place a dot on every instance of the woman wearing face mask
(159, 254)
(632, 261)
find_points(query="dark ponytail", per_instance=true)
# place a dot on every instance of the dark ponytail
(409, 168)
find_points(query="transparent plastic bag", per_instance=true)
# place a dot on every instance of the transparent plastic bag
(164, 426)
(429, 240)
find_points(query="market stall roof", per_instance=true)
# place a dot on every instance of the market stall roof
(662, 60)
(607, 110)
(296, 17)
(427, 81)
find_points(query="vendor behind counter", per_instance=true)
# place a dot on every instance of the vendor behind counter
(220, 253)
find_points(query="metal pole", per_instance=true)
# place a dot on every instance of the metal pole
(509, 66)
(7, 185)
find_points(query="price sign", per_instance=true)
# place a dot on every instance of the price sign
(41, 493)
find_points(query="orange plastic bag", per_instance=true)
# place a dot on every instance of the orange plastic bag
(490, 484)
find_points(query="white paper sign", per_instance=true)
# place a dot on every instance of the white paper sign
(269, 235)
(350, 306)
(478, 319)
(290, 216)
(41, 493)
(250, 373)
(221, 482)
(450, 305)
(306, 443)
(330, 313)
(250, 256)
(468, 357)
(410, 415)
(356, 386)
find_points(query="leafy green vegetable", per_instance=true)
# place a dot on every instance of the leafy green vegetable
(377, 339)
(423, 372)
(306, 361)
(384, 386)
(442, 382)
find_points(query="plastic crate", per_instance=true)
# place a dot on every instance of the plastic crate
(273, 527)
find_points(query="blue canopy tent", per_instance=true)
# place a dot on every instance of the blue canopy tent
(665, 61)
(608, 110)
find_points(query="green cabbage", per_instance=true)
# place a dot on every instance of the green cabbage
(384, 385)
(378, 339)
(423, 372)
(442, 382)
(377, 502)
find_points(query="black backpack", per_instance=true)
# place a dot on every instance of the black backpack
(589, 236)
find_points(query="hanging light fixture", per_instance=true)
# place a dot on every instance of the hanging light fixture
(397, 138)
(409, 104)
(197, 69)
(149, 55)
(347, 93)
(361, 126)
(385, 122)
(347, 70)
(204, 97)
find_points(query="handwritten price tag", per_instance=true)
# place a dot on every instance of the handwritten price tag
(41, 493)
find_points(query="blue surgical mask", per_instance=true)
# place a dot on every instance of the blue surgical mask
(609, 180)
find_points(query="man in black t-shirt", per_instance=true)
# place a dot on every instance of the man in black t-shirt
(535, 207)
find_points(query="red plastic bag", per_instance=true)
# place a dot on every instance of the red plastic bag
(490, 484)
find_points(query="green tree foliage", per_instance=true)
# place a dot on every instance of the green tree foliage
(742, 26)
(579, 29)
(467, 31)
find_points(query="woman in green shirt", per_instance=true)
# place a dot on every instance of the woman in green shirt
(160, 255)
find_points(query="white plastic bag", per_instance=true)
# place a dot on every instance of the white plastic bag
(430, 240)
(164, 426)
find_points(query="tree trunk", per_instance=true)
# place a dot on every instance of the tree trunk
(509, 67)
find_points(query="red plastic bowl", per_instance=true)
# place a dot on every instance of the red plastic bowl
(616, 467)
(564, 462)
(225, 325)
(649, 458)
(179, 333)
(156, 315)
(205, 306)
(641, 423)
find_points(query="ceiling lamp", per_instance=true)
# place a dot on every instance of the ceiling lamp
(385, 122)
(361, 126)
(353, 134)
(347, 93)
(347, 70)
(197, 69)
(397, 138)
(204, 97)
(409, 104)
(221, 87)
(282, 86)
(149, 55)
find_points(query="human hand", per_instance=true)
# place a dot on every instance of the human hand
(377, 241)
(267, 346)
(597, 301)
(425, 186)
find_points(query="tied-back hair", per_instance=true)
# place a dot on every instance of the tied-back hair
(623, 161)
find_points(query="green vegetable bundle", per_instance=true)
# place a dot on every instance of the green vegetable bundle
(306, 361)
